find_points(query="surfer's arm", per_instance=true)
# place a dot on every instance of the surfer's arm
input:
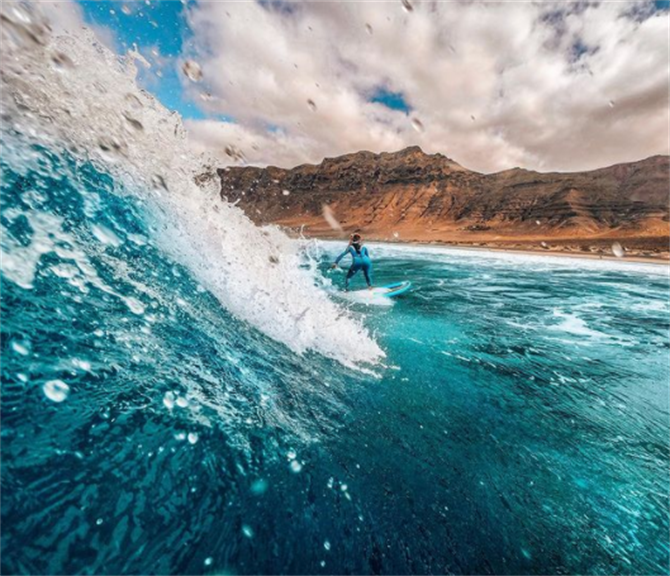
(337, 260)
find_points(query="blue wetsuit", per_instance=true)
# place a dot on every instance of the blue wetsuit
(361, 261)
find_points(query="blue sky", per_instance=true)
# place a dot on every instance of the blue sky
(156, 24)
(392, 100)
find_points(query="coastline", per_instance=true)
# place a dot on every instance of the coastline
(659, 261)
(550, 253)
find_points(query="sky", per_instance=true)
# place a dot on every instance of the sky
(493, 85)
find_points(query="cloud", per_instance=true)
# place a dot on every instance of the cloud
(67, 16)
(547, 85)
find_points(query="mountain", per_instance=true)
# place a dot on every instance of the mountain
(413, 196)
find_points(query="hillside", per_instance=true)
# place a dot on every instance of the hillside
(413, 196)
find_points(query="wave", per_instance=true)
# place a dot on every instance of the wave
(73, 111)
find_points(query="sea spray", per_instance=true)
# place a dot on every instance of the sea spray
(93, 111)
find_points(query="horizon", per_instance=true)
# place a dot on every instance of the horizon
(449, 158)
(559, 88)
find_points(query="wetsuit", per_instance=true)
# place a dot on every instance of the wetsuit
(361, 261)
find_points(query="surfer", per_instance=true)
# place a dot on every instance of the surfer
(360, 260)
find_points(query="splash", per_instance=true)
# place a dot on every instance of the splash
(71, 96)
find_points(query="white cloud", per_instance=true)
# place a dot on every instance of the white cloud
(67, 15)
(515, 68)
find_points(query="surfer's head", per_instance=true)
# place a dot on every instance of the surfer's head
(356, 241)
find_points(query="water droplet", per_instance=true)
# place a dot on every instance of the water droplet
(344, 487)
(322, 563)
(618, 250)
(62, 62)
(180, 436)
(286, 192)
(208, 561)
(133, 101)
(192, 70)
(111, 147)
(235, 153)
(612, 103)
(126, 10)
(133, 123)
(329, 217)
(22, 348)
(192, 437)
(247, 531)
(205, 96)
(158, 183)
(407, 6)
(472, 118)
(56, 390)
(396, 235)
(182, 402)
(368, 29)
(538, 222)
(295, 466)
(544, 244)
(291, 455)
(312, 105)
(259, 487)
(326, 544)
(99, 521)
(417, 124)
(168, 400)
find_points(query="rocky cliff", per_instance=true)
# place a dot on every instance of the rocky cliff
(413, 196)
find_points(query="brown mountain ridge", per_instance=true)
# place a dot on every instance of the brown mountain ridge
(413, 196)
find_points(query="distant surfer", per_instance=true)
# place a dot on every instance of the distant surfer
(360, 260)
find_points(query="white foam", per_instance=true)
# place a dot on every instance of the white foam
(255, 273)
(374, 297)
(493, 257)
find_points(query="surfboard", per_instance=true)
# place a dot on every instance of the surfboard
(393, 290)
(378, 296)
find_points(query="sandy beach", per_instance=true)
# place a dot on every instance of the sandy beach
(554, 253)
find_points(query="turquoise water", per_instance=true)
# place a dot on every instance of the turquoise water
(518, 423)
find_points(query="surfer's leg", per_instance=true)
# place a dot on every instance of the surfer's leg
(350, 273)
(367, 271)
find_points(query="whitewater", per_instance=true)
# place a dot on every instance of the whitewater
(186, 393)
(77, 100)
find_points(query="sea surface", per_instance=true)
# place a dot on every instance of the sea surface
(186, 393)
(518, 423)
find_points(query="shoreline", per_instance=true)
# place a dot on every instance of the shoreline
(550, 253)
(503, 250)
